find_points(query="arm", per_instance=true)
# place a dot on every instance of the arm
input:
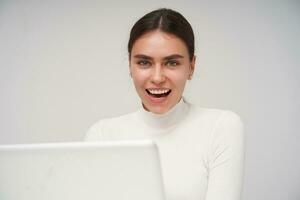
(226, 159)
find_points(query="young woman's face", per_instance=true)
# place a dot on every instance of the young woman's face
(160, 67)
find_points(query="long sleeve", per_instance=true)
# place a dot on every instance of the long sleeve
(201, 150)
(226, 159)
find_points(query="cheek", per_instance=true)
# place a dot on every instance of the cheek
(139, 78)
(181, 84)
(179, 78)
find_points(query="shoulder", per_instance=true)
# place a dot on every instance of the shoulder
(123, 119)
(213, 114)
(96, 131)
(225, 128)
(218, 121)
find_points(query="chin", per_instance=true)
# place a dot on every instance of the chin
(158, 106)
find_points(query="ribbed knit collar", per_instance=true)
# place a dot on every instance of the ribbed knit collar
(166, 120)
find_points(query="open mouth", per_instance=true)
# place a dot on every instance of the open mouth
(158, 93)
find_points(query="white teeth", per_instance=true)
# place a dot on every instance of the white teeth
(158, 91)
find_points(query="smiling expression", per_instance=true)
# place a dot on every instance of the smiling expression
(160, 67)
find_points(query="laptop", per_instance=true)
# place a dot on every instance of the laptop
(127, 170)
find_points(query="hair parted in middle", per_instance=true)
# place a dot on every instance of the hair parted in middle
(166, 20)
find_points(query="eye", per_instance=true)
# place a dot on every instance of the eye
(143, 63)
(172, 63)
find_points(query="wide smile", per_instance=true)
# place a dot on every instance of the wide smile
(158, 92)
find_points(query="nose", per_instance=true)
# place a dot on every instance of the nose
(158, 76)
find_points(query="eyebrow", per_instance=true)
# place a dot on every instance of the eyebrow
(173, 56)
(143, 56)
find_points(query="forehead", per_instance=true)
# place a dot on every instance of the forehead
(159, 44)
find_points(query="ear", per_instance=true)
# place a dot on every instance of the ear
(192, 67)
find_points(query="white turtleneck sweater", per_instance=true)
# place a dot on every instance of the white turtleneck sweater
(202, 150)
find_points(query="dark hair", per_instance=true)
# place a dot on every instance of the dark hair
(168, 21)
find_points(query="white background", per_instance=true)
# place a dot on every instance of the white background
(63, 66)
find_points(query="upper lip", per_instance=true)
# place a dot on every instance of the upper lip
(157, 88)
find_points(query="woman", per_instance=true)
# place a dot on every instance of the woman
(202, 150)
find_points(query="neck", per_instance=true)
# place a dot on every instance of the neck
(168, 119)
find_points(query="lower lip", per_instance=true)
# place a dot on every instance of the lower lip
(156, 100)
